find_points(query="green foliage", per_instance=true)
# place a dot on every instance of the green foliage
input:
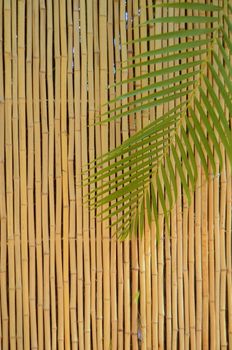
(139, 177)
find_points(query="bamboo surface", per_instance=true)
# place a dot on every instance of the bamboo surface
(66, 282)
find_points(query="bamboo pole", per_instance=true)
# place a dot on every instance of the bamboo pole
(72, 220)
(4, 304)
(76, 22)
(98, 153)
(22, 161)
(191, 254)
(9, 175)
(16, 176)
(36, 112)
(90, 48)
(160, 238)
(104, 144)
(30, 188)
(64, 168)
(112, 141)
(84, 156)
(134, 240)
(124, 128)
(51, 173)
(45, 162)
(120, 284)
(58, 215)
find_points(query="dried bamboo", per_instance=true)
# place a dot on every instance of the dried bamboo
(45, 161)
(66, 280)
(9, 177)
(120, 285)
(50, 92)
(4, 304)
(113, 251)
(90, 34)
(30, 186)
(72, 221)
(22, 161)
(58, 217)
(76, 39)
(98, 153)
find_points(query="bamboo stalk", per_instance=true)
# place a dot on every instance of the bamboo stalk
(191, 253)
(4, 304)
(112, 141)
(45, 161)
(58, 216)
(9, 177)
(104, 144)
(98, 153)
(90, 46)
(51, 157)
(84, 161)
(23, 177)
(72, 221)
(120, 284)
(135, 294)
(124, 130)
(30, 191)
(76, 19)
(160, 239)
(64, 168)
(222, 228)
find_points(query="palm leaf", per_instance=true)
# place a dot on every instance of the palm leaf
(140, 175)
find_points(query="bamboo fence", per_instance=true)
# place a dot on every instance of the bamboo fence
(66, 282)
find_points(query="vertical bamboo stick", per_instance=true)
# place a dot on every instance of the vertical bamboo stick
(222, 227)
(37, 171)
(134, 240)
(198, 254)
(217, 235)
(98, 153)
(45, 162)
(120, 285)
(18, 268)
(112, 141)
(30, 187)
(64, 167)
(9, 178)
(185, 234)
(90, 47)
(77, 90)
(124, 76)
(191, 251)
(58, 253)
(168, 262)
(50, 92)
(160, 244)
(138, 283)
(147, 233)
(140, 119)
(23, 177)
(84, 156)
(4, 304)
(104, 142)
(72, 227)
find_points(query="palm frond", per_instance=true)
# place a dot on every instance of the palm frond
(132, 174)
